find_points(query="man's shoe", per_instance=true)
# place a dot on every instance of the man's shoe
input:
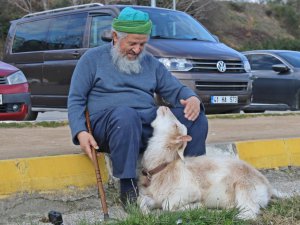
(129, 197)
(129, 191)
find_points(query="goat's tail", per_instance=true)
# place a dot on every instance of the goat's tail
(279, 194)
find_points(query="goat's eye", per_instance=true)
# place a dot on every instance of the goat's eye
(176, 126)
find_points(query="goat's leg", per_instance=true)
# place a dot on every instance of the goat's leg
(246, 201)
(190, 206)
(146, 203)
(182, 198)
(173, 203)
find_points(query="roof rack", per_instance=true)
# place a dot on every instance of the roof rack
(63, 9)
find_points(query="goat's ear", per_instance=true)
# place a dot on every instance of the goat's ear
(181, 139)
(184, 138)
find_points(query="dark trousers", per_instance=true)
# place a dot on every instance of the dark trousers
(125, 132)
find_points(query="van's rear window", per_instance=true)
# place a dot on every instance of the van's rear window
(31, 36)
(62, 32)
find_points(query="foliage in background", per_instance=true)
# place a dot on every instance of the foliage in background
(269, 24)
(246, 26)
(288, 14)
(290, 44)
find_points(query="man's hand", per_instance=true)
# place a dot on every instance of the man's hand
(86, 140)
(191, 108)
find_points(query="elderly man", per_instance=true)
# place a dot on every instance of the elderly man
(116, 83)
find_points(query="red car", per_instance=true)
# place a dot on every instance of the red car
(14, 93)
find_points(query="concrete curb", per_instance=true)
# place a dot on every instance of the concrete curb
(48, 174)
(59, 173)
(261, 154)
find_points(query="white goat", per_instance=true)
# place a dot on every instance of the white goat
(171, 181)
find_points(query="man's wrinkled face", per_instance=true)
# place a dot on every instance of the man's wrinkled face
(132, 45)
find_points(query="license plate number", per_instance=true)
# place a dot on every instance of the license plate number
(1, 102)
(224, 99)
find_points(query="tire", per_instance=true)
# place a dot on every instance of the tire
(254, 111)
(234, 111)
(31, 115)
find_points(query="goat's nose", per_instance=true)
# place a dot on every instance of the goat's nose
(164, 109)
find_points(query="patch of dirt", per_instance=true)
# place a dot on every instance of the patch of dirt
(40, 141)
(257, 128)
(285, 180)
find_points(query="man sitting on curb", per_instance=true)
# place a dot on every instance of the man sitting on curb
(116, 82)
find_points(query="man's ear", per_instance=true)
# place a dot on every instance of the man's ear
(114, 37)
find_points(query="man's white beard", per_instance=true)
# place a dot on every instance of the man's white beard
(125, 65)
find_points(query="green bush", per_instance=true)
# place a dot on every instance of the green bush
(288, 44)
(237, 6)
(288, 16)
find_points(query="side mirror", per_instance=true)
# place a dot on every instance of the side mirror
(280, 68)
(216, 38)
(106, 35)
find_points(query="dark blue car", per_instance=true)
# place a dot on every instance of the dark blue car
(276, 83)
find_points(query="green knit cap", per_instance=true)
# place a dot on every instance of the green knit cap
(132, 21)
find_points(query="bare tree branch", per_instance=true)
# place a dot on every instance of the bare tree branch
(45, 4)
(189, 6)
(21, 5)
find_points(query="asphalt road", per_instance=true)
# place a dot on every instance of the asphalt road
(55, 115)
(49, 116)
(41, 141)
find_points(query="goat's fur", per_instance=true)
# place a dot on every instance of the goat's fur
(197, 181)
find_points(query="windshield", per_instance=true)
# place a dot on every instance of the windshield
(292, 57)
(176, 25)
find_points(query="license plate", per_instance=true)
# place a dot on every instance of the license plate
(224, 99)
(1, 102)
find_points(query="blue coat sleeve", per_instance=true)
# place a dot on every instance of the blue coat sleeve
(170, 88)
(81, 84)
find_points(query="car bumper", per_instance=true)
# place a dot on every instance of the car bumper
(206, 86)
(21, 100)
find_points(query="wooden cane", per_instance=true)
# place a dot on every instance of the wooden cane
(101, 192)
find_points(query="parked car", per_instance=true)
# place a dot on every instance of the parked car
(47, 45)
(276, 83)
(14, 93)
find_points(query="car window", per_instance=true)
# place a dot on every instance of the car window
(292, 57)
(263, 62)
(99, 24)
(176, 25)
(66, 32)
(30, 36)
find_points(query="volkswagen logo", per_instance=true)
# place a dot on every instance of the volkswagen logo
(221, 66)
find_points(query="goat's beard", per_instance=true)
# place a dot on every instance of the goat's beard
(123, 63)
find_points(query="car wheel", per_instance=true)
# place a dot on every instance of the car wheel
(31, 115)
(234, 111)
(254, 111)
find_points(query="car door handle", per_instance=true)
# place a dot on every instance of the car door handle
(76, 54)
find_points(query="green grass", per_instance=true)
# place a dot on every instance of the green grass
(191, 217)
(279, 212)
(51, 124)
(199, 217)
